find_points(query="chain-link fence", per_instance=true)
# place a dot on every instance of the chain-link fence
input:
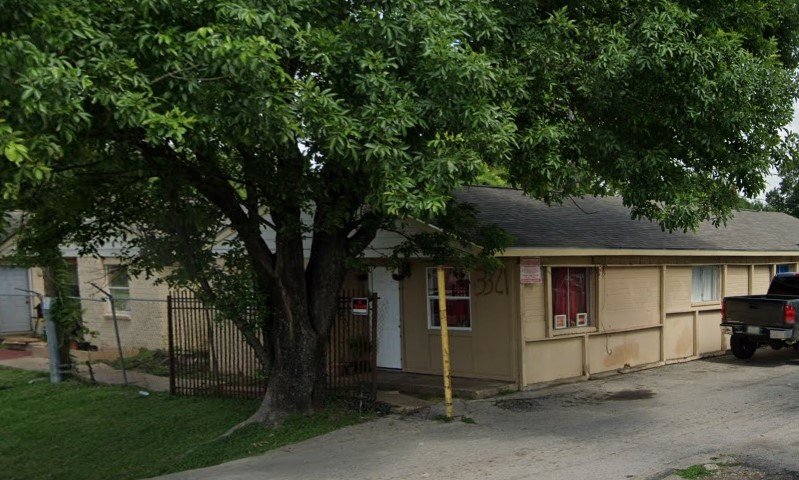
(134, 327)
(127, 339)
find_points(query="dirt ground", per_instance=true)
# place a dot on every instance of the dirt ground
(9, 354)
(740, 417)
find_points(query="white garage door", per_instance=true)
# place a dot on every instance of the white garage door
(15, 310)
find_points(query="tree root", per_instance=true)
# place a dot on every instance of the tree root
(264, 416)
(235, 428)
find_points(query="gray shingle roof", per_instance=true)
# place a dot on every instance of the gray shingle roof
(605, 223)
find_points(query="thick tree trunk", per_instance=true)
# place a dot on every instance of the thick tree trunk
(302, 296)
(296, 376)
(297, 341)
(293, 379)
(307, 296)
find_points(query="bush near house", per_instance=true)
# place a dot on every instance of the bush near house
(80, 431)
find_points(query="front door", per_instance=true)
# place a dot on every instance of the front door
(389, 341)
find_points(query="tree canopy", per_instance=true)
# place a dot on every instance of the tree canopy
(164, 121)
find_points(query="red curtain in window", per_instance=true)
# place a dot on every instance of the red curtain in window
(560, 292)
(577, 293)
(570, 292)
(458, 313)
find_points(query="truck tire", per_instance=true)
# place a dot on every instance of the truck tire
(743, 347)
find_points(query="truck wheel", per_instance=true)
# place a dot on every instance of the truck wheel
(743, 347)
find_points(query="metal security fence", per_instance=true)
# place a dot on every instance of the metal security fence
(209, 356)
(352, 347)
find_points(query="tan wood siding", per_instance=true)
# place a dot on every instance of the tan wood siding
(533, 311)
(553, 359)
(488, 350)
(620, 350)
(678, 289)
(761, 279)
(737, 281)
(708, 335)
(630, 297)
(644, 314)
(679, 335)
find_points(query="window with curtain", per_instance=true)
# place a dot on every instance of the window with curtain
(571, 297)
(458, 300)
(119, 285)
(705, 284)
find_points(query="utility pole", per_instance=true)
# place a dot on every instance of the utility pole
(52, 340)
(442, 311)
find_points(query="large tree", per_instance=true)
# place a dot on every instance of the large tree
(785, 198)
(160, 122)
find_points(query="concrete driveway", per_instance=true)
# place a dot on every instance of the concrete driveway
(640, 425)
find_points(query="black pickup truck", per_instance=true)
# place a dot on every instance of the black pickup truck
(757, 320)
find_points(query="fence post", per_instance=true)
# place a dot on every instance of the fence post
(52, 340)
(170, 343)
(119, 342)
(116, 329)
(374, 345)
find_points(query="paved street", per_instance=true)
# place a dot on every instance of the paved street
(640, 425)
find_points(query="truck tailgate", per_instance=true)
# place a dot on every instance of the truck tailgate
(756, 310)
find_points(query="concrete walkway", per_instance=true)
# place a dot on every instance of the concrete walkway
(103, 373)
(639, 425)
(430, 385)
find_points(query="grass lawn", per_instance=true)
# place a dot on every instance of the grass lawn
(79, 431)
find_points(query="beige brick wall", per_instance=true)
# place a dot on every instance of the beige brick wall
(143, 326)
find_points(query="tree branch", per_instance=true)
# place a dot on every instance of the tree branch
(220, 193)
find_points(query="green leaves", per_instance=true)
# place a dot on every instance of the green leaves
(677, 106)
(16, 153)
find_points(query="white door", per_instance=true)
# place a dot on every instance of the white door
(389, 342)
(15, 310)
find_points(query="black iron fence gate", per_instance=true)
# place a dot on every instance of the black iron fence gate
(352, 347)
(209, 356)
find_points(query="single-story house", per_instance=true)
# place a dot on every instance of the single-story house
(141, 302)
(584, 290)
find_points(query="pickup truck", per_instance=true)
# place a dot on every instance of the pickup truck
(758, 320)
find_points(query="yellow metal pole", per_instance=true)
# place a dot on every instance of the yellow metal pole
(442, 309)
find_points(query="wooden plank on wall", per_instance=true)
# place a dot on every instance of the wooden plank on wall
(663, 313)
